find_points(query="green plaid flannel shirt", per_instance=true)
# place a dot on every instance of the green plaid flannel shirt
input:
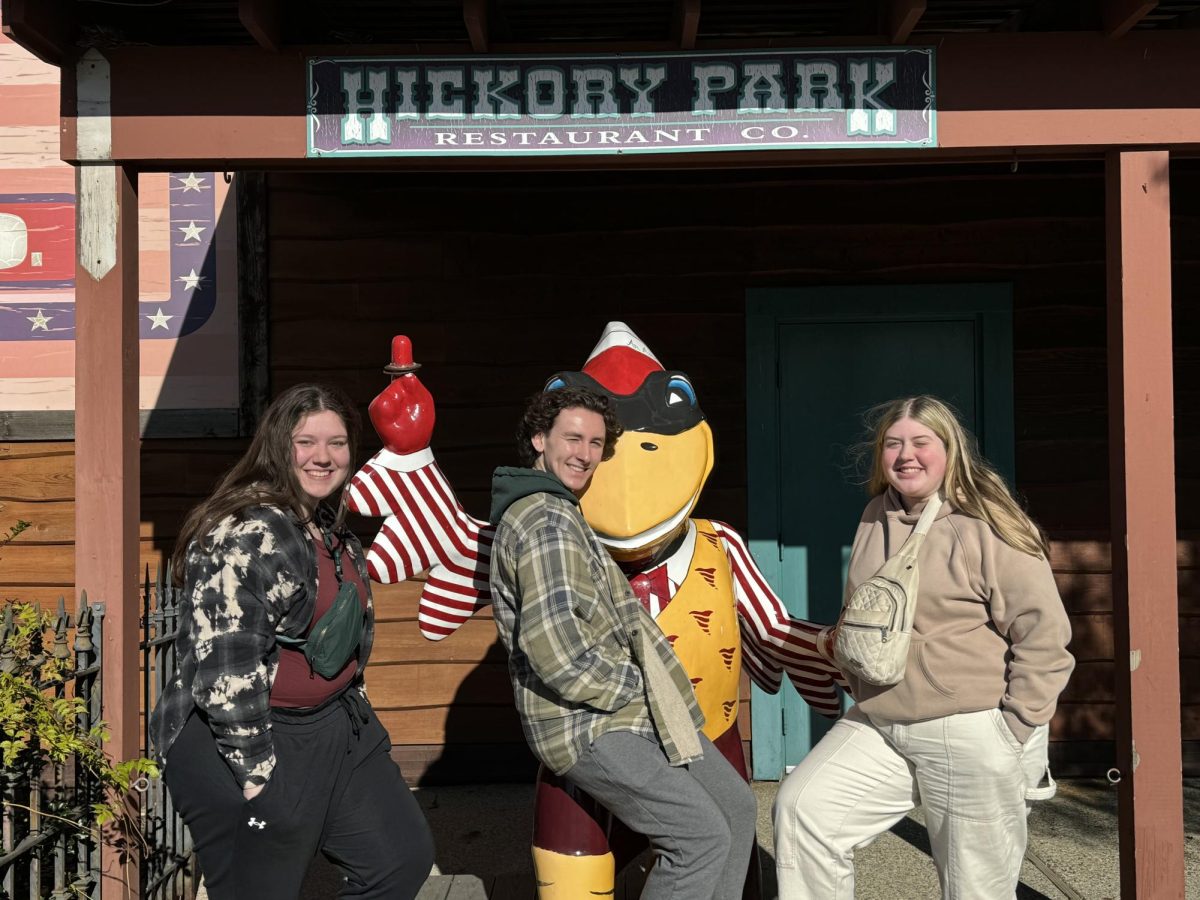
(568, 618)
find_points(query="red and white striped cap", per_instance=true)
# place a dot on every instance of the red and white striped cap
(621, 360)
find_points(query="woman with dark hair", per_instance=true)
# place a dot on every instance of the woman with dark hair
(270, 748)
(964, 732)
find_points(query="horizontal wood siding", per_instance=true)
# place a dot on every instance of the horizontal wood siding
(502, 280)
(37, 484)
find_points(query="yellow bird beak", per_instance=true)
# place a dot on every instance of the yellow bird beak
(649, 487)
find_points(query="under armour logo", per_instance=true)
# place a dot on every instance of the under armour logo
(257, 823)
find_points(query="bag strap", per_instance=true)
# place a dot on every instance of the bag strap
(327, 536)
(914, 541)
(932, 506)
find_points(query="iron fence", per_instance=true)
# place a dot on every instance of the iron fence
(167, 869)
(49, 849)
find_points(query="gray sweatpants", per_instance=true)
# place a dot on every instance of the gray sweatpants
(699, 818)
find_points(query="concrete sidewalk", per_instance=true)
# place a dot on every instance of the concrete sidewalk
(482, 836)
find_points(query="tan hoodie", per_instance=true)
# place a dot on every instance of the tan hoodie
(990, 629)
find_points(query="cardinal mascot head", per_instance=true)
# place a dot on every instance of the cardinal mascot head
(640, 500)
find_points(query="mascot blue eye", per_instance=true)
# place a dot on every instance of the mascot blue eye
(554, 384)
(680, 390)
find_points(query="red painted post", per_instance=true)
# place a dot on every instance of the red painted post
(1142, 487)
(107, 476)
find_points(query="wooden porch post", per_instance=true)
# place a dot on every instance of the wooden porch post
(1142, 479)
(107, 477)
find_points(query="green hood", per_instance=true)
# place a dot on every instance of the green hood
(510, 484)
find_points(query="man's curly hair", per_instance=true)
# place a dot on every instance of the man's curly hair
(543, 409)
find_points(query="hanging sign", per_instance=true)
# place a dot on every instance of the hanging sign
(682, 102)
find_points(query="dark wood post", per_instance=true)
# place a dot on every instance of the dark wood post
(1142, 486)
(107, 475)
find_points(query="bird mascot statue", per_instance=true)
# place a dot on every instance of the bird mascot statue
(695, 576)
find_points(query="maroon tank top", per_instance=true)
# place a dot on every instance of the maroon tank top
(296, 684)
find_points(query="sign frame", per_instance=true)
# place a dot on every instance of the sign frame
(490, 129)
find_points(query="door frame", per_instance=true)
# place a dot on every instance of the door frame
(989, 304)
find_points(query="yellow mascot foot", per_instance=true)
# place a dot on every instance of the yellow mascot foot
(561, 876)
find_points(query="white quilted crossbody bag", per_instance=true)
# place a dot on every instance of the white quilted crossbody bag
(875, 628)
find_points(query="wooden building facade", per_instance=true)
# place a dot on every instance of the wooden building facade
(352, 257)
(1065, 176)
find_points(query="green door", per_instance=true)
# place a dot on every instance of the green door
(819, 358)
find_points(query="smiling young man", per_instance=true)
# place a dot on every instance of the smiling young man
(603, 700)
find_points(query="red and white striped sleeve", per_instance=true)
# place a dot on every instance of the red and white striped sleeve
(426, 529)
(766, 674)
(771, 636)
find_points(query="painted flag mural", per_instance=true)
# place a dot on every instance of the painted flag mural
(186, 266)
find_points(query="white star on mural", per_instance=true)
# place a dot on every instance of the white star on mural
(191, 281)
(191, 231)
(191, 183)
(39, 321)
(158, 320)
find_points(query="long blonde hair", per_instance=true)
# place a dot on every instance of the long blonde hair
(970, 483)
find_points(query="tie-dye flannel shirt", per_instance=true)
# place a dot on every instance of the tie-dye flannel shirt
(252, 577)
(568, 618)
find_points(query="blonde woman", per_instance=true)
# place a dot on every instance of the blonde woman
(964, 733)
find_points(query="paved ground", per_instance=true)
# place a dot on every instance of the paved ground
(482, 835)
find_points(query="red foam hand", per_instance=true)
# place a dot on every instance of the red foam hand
(403, 413)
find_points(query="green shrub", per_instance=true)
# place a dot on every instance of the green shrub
(45, 730)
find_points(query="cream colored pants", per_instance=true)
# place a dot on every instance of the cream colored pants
(968, 771)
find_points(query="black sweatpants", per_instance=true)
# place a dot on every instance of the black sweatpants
(334, 789)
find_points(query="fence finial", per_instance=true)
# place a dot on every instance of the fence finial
(83, 627)
(60, 650)
(8, 659)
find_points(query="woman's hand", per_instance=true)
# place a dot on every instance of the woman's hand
(253, 791)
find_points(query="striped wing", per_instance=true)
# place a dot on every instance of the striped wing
(773, 642)
(426, 529)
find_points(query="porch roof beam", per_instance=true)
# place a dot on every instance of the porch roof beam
(263, 19)
(475, 17)
(1121, 15)
(686, 23)
(902, 18)
(46, 28)
(1049, 93)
